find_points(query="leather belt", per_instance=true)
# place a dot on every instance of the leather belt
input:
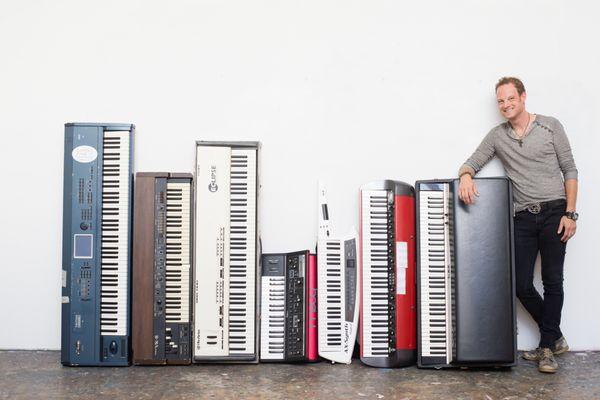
(536, 208)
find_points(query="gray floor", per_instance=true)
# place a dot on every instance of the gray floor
(38, 374)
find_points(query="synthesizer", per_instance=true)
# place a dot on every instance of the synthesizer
(388, 319)
(226, 261)
(337, 288)
(161, 268)
(96, 263)
(465, 275)
(288, 307)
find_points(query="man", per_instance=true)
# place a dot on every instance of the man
(537, 158)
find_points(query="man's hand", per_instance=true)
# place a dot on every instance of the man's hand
(568, 227)
(467, 189)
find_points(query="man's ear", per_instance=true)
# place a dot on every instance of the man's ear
(523, 97)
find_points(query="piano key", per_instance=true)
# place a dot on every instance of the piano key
(115, 230)
(436, 332)
(242, 273)
(178, 252)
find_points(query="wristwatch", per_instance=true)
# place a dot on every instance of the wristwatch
(572, 215)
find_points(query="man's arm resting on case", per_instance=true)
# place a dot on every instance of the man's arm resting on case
(467, 189)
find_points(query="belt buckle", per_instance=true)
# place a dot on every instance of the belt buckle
(534, 208)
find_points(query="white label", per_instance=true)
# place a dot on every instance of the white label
(64, 278)
(65, 299)
(84, 154)
(401, 265)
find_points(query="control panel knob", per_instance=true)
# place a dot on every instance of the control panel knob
(113, 347)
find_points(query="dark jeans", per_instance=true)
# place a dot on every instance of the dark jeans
(533, 233)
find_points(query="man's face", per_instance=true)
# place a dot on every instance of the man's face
(510, 103)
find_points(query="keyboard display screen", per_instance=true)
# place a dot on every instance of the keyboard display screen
(83, 246)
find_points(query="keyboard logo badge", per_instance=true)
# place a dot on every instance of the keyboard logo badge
(346, 337)
(84, 154)
(212, 186)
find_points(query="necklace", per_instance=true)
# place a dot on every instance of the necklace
(524, 130)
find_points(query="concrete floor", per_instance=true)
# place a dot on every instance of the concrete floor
(39, 374)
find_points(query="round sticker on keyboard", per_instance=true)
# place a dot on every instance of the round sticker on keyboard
(84, 154)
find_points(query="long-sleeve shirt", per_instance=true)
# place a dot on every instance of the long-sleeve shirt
(537, 164)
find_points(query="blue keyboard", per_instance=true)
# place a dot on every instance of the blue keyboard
(96, 266)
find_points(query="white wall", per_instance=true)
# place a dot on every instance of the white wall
(345, 91)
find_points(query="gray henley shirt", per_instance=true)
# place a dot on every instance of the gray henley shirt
(536, 164)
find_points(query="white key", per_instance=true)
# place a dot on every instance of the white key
(436, 317)
(375, 305)
(272, 329)
(114, 233)
(177, 270)
(331, 294)
(242, 248)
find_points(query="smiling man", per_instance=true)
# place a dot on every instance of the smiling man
(537, 158)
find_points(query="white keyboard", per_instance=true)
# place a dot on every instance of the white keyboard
(242, 253)
(272, 329)
(435, 281)
(375, 275)
(225, 265)
(115, 232)
(338, 304)
(177, 265)
(331, 299)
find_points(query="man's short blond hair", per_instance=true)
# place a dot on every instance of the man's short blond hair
(515, 81)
